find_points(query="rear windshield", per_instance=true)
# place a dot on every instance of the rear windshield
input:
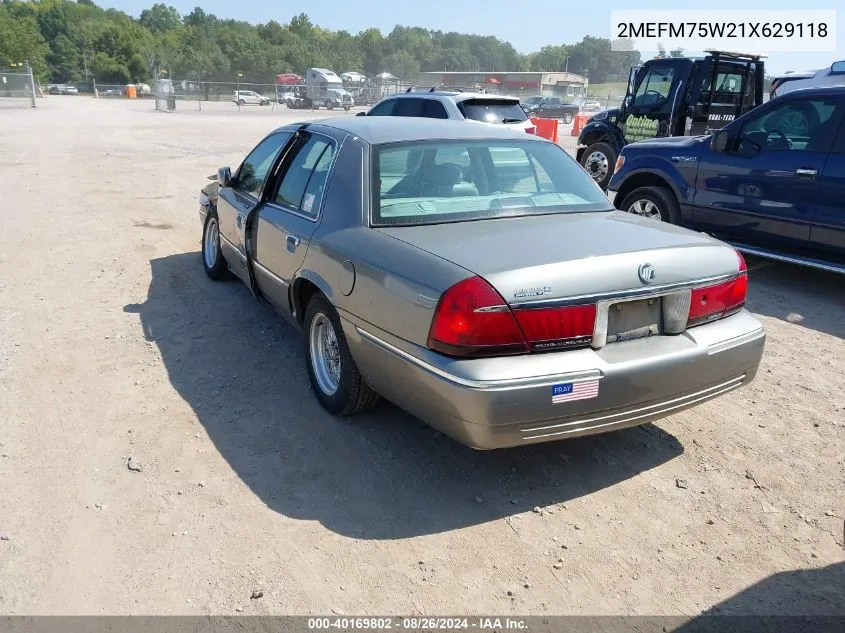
(493, 110)
(438, 182)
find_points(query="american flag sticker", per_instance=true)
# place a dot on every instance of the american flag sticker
(569, 391)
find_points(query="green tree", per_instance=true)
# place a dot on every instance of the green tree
(160, 17)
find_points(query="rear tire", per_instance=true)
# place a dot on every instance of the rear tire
(335, 378)
(567, 118)
(599, 160)
(213, 261)
(657, 203)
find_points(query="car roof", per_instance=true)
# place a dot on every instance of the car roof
(817, 91)
(389, 129)
(453, 95)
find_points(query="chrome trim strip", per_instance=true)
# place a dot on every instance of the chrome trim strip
(273, 276)
(634, 293)
(736, 341)
(484, 385)
(233, 247)
(611, 195)
(789, 259)
(631, 415)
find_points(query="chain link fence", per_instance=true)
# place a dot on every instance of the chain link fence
(199, 92)
(18, 88)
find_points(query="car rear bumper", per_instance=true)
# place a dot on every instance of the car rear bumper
(505, 402)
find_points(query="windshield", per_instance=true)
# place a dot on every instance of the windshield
(493, 110)
(439, 182)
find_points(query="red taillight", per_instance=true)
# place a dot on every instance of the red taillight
(472, 319)
(531, 130)
(557, 328)
(716, 302)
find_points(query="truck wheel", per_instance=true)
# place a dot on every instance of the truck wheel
(657, 203)
(567, 118)
(599, 160)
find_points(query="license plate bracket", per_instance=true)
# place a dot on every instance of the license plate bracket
(629, 320)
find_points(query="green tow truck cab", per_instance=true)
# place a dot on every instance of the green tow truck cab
(676, 96)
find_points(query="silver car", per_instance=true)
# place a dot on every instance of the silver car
(478, 279)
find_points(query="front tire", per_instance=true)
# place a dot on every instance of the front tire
(241, 102)
(215, 265)
(567, 118)
(334, 376)
(657, 203)
(599, 160)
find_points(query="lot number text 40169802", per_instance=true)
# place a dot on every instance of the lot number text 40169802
(419, 623)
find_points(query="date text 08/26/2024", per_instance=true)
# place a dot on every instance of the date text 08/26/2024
(418, 623)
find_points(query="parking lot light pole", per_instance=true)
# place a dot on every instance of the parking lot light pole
(238, 90)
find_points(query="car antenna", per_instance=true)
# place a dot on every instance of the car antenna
(410, 89)
(433, 89)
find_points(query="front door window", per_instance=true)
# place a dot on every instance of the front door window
(651, 105)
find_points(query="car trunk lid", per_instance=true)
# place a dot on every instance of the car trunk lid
(635, 274)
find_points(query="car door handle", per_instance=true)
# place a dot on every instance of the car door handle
(293, 241)
(806, 173)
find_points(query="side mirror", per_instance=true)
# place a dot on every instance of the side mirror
(837, 68)
(361, 114)
(224, 176)
(719, 142)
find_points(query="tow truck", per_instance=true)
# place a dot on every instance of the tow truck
(676, 96)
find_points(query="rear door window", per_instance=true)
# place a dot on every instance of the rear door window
(433, 109)
(409, 107)
(493, 110)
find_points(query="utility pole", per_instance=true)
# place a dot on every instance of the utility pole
(31, 81)
(85, 62)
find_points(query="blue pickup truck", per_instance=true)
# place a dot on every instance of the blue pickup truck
(772, 182)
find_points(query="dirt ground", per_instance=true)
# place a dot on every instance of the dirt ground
(113, 344)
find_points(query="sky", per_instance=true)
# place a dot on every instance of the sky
(527, 29)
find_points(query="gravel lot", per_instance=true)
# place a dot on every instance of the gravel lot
(113, 344)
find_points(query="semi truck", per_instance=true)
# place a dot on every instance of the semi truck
(320, 88)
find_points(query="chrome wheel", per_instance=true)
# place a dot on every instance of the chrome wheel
(597, 166)
(794, 124)
(211, 244)
(645, 208)
(325, 354)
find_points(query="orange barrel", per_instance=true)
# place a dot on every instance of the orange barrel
(580, 122)
(131, 91)
(547, 128)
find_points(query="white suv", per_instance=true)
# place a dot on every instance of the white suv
(248, 97)
(477, 107)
